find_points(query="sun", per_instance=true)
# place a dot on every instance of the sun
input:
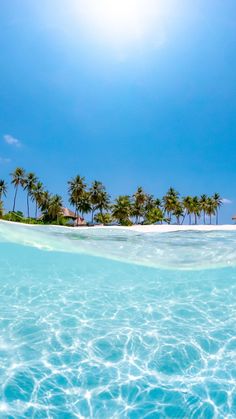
(116, 20)
(119, 17)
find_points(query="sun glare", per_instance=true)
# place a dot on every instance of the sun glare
(119, 17)
(117, 20)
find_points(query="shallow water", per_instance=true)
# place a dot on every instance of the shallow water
(83, 333)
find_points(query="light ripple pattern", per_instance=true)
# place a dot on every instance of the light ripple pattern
(85, 335)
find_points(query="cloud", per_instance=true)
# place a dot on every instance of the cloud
(9, 139)
(4, 160)
(226, 201)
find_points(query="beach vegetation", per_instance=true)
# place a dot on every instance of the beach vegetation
(18, 179)
(138, 205)
(52, 209)
(29, 183)
(37, 194)
(1, 209)
(170, 202)
(103, 218)
(3, 189)
(217, 201)
(139, 208)
(155, 216)
(99, 198)
(76, 191)
(122, 210)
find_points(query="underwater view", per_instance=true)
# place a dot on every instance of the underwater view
(113, 323)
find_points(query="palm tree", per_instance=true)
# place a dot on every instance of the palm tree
(211, 208)
(122, 210)
(84, 205)
(43, 204)
(150, 203)
(1, 209)
(196, 208)
(3, 189)
(170, 201)
(18, 179)
(154, 215)
(53, 208)
(29, 185)
(218, 202)
(203, 206)
(178, 211)
(187, 202)
(38, 195)
(103, 218)
(76, 189)
(103, 202)
(96, 190)
(139, 204)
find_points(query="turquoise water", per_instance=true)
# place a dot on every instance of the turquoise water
(116, 324)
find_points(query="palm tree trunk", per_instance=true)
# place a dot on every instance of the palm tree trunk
(92, 215)
(14, 203)
(77, 216)
(216, 216)
(36, 210)
(204, 216)
(190, 221)
(28, 204)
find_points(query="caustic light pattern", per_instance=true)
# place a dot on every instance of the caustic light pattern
(84, 334)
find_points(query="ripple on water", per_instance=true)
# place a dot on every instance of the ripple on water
(87, 337)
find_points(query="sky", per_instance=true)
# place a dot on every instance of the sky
(129, 92)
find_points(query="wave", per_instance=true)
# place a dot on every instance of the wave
(172, 250)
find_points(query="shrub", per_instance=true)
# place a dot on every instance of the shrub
(103, 218)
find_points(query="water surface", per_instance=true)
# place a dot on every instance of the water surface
(117, 324)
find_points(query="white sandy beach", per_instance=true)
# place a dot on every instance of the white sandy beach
(165, 228)
(153, 228)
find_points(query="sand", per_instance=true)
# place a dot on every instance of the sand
(153, 228)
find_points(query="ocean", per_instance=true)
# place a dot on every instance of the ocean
(113, 323)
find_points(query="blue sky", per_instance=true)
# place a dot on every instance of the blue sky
(144, 95)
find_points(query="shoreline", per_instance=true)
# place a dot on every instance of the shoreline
(152, 228)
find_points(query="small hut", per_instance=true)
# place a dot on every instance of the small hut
(234, 218)
(70, 215)
(67, 213)
(79, 222)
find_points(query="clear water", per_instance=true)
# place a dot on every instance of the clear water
(115, 324)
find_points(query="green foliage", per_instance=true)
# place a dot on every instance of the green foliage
(126, 223)
(139, 204)
(18, 179)
(76, 191)
(3, 189)
(29, 186)
(18, 217)
(62, 221)
(122, 210)
(141, 207)
(154, 215)
(99, 198)
(52, 208)
(84, 203)
(103, 218)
